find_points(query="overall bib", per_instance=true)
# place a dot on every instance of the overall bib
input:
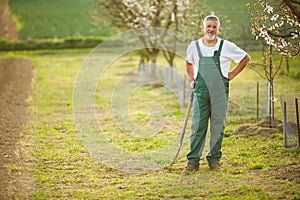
(210, 102)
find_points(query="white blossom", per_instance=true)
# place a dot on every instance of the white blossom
(278, 27)
(274, 17)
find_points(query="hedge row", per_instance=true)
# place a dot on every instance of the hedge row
(69, 43)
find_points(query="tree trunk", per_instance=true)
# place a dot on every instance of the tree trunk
(272, 105)
(153, 64)
(271, 77)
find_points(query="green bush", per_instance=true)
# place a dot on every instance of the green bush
(68, 43)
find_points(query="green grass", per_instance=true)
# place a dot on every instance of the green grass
(62, 167)
(40, 19)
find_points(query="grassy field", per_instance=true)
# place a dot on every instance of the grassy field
(254, 167)
(64, 166)
(40, 19)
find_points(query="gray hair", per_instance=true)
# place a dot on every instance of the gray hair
(212, 18)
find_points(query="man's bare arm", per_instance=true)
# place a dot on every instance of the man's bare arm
(190, 71)
(239, 67)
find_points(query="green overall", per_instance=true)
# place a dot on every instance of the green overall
(210, 102)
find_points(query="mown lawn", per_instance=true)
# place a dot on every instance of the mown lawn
(254, 167)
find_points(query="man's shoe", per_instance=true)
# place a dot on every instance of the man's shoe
(215, 166)
(190, 168)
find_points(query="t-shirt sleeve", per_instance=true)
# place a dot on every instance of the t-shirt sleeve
(189, 53)
(233, 52)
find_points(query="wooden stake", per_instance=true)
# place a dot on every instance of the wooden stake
(297, 117)
(257, 101)
(285, 125)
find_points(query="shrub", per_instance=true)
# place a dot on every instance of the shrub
(68, 43)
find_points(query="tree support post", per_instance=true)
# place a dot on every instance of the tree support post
(297, 117)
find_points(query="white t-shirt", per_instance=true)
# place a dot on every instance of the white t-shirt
(230, 52)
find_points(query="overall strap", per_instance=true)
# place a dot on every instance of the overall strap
(198, 49)
(220, 48)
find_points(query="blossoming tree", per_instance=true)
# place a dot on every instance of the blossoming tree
(277, 23)
(145, 14)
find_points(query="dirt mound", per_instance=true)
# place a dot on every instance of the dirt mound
(261, 128)
(8, 28)
(15, 83)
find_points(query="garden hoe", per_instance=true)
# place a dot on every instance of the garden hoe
(187, 115)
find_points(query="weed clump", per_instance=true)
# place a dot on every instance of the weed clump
(261, 128)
